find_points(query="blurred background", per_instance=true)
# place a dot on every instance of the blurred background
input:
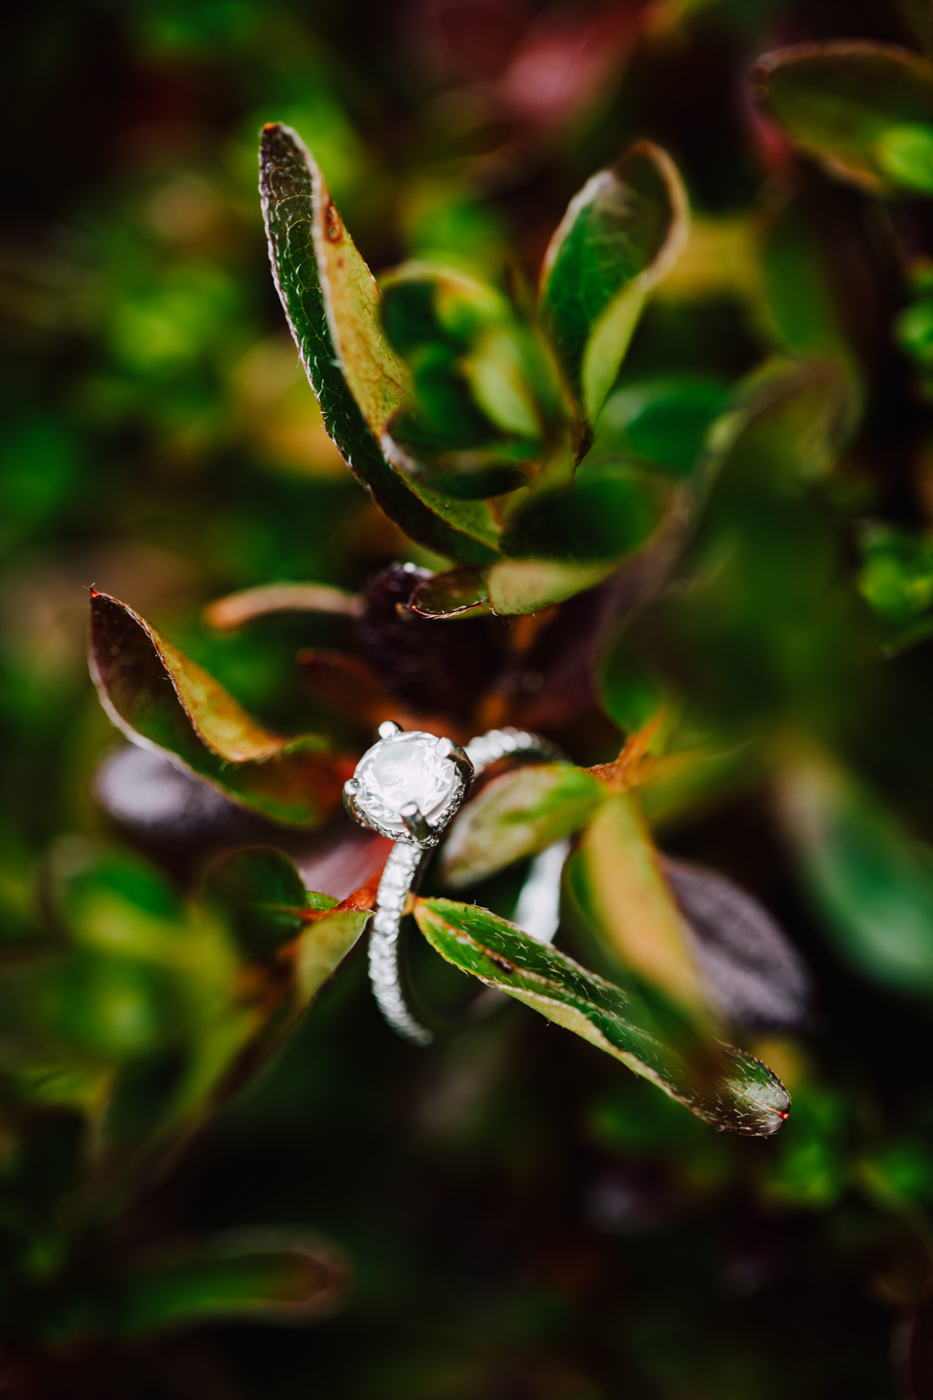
(523, 1222)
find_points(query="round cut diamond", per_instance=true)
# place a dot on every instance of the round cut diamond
(402, 769)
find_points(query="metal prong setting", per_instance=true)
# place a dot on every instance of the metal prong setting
(418, 830)
(350, 788)
(416, 824)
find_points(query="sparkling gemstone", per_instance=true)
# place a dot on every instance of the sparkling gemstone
(404, 768)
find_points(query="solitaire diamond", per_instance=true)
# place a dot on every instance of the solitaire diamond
(405, 768)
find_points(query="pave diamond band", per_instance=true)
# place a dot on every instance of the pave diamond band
(409, 786)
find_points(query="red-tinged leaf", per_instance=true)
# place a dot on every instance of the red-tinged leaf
(356, 695)
(627, 902)
(252, 603)
(262, 898)
(348, 686)
(163, 701)
(323, 946)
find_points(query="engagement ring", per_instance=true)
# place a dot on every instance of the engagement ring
(409, 786)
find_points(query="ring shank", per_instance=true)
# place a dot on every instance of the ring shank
(537, 910)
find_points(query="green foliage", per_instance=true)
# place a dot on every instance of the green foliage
(476, 410)
(516, 815)
(268, 1277)
(675, 515)
(741, 1095)
(296, 204)
(619, 236)
(865, 110)
(872, 881)
(487, 414)
(897, 581)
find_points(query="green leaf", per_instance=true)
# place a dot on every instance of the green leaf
(516, 815)
(864, 110)
(914, 329)
(299, 216)
(519, 586)
(786, 425)
(113, 902)
(661, 421)
(159, 698)
(323, 947)
(621, 888)
(456, 593)
(152, 985)
(260, 1276)
(800, 304)
(616, 511)
(735, 1092)
(87, 1006)
(896, 580)
(870, 879)
(613, 507)
(488, 412)
(262, 898)
(618, 239)
(631, 695)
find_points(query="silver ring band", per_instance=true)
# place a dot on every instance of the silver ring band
(538, 907)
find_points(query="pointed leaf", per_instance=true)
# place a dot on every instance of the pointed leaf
(262, 898)
(261, 1276)
(161, 700)
(662, 421)
(264, 902)
(617, 511)
(299, 213)
(519, 586)
(622, 889)
(619, 237)
(613, 508)
(323, 946)
(739, 1094)
(864, 110)
(870, 879)
(516, 815)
